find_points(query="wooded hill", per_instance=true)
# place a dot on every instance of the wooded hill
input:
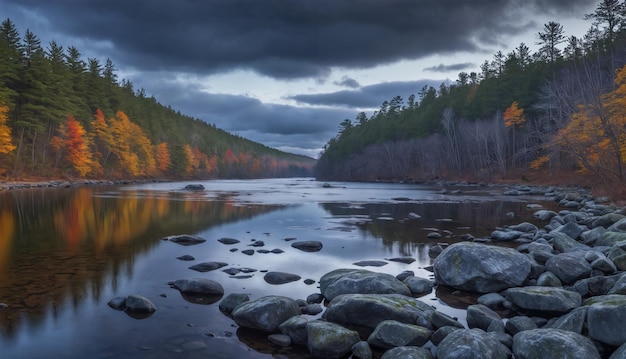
(64, 116)
(561, 109)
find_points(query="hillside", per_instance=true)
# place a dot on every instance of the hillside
(62, 116)
(556, 114)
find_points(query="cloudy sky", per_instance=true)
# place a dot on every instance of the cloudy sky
(286, 72)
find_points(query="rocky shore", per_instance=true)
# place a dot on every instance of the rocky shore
(557, 290)
(16, 185)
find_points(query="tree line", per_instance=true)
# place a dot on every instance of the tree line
(558, 109)
(64, 116)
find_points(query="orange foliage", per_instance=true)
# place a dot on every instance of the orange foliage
(75, 144)
(513, 115)
(6, 144)
(162, 155)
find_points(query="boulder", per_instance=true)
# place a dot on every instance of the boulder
(360, 281)
(199, 290)
(573, 321)
(295, 328)
(519, 324)
(391, 333)
(564, 243)
(265, 313)
(441, 333)
(280, 277)
(208, 266)
(571, 229)
(546, 300)
(418, 286)
(184, 239)
(618, 255)
(308, 246)
(471, 343)
(228, 241)
(491, 300)
(619, 353)
(481, 317)
(362, 350)
(549, 279)
(606, 317)
(610, 238)
(367, 310)
(329, 340)
(544, 215)
(231, 301)
(553, 343)
(407, 353)
(370, 263)
(138, 303)
(194, 187)
(569, 267)
(481, 268)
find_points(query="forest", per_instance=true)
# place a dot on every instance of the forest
(556, 115)
(63, 116)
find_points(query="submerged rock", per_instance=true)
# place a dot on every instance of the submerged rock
(194, 187)
(280, 277)
(184, 239)
(199, 290)
(208, 266)
(265, 313)
(308, 246)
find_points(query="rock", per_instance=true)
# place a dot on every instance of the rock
(435, 251)
(184, 239)
(619, 226)
(138, 303)
(519, 324)
(553, 343)
(208, 266)
(329, 340)
(419, 286)
(349, 309)
(370, 263)
(471, 343)
(481, 317)
(404, 275)
(280, 277)
(546, 300)
(481, 268)
(607, 220)
(277, 251)
(407, 353)
(248, 252)
(606, 317)
(279, 339)
(505, 236)
(362, 350)
(186, 257)
(199, 290)
(308, 246)
(405, 260)
(524, 227)
(315, 298)
(619, 287)
(610, 238)
(618, 255)
(231, 301)
(571, 229)
(194, 187)
(564, 243)
(491, 300)
(265, 313)
(361, 281)
(257, 244)
(605, 265)
(295, 328)
(439, 320)
(573, 321)
(441, 333)
(569, 267)
(312, 309)
(549, 279)
(536, 246)
(117, 303)
(544, 215)
(391, 333)
(228, 241)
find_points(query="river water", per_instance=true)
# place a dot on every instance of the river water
(65, 253)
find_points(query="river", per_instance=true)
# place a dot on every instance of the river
(65, 253)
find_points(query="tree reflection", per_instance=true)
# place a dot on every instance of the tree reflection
(63, 246)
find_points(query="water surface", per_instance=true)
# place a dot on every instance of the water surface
(64, 253)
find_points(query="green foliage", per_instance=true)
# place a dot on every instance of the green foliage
(43, 85)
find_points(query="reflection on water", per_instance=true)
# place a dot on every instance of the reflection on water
(65, 253)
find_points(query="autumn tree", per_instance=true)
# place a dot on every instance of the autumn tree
(74, 144)
(6, 142)
(162, 157)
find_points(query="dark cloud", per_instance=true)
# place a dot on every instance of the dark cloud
(348, 82)
(286, 39)
(448, 68)
(367, 96)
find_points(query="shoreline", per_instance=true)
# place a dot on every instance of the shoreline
(19, 185)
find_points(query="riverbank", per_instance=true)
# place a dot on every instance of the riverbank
(17, 185)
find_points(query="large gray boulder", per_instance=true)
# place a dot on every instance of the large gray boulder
(573, 321)
(481, 317)
(564, 243)
(618, 255)
(329, 340)
(360, 281)
(295, 328)
(548, 300)
(265, 313)
(569, 267)
(367, 310)
(553, 343)
(606, 317)
(199, 290)
(471, 343)
(390, 333)
(481, 268)
(619, 353)
(407, 353)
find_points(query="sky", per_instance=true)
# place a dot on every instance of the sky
(285, 73)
